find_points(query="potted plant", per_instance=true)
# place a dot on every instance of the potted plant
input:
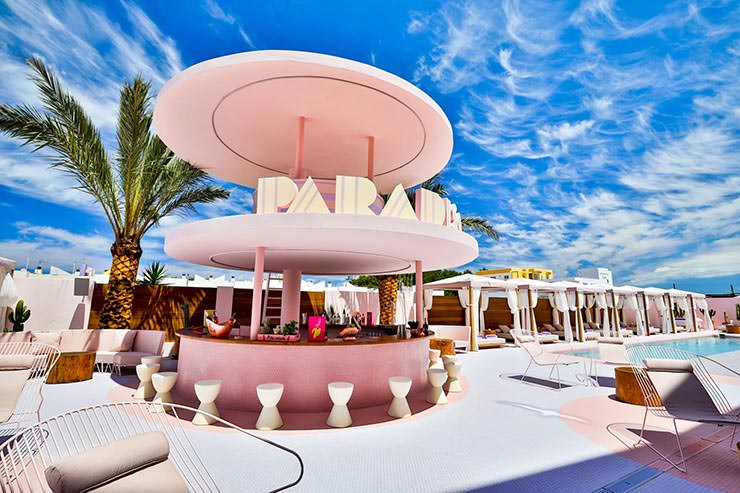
(20, 316)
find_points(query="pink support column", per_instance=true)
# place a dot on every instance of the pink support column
(419, 296)
(371, 158)
(290, 304)
(298, 168)
(259, 270)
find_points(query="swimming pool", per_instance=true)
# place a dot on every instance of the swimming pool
(704, 346)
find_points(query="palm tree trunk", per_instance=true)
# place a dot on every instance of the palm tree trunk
(119, 298)
(388, 296)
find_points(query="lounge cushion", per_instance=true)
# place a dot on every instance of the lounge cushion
(125, 343)
(660, 364)
(11, 388)
(50, 338)
(162, 478)
(683, 395)
(103, 466)
(76, 340)
(16, 362)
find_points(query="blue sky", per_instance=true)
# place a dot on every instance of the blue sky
(589, 133)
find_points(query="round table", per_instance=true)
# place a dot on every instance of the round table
(74, 366)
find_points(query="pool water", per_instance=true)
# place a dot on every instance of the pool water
(704, 346)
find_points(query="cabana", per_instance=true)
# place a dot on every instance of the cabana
(521, 296)
(469, 288)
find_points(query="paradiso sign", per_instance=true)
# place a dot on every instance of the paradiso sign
(352, 195)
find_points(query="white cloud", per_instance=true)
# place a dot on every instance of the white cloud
(218, 13)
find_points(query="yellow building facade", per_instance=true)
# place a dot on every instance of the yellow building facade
(518, 273)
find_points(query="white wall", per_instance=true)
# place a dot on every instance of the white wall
(52, 302)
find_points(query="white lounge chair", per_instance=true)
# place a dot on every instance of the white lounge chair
(540, 357)
(677, 385)
(24, 367)
(120, 446)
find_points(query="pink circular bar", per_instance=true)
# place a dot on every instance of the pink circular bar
(305, 369)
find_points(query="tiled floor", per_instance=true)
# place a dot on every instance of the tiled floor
(501, 435)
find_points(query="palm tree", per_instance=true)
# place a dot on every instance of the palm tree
(388, 285)
(141, 184)
(154, 275)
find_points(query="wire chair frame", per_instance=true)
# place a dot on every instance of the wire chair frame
(638, 353)
(535, 351)
(25, 457)
(30, 401)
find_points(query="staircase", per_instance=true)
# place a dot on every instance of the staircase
(273, 298)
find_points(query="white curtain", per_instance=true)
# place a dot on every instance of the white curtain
(513, 300)
(588, 303)
(602, 305)
(665, 318)
(555, 311)
(428, 301)
(484, 297)
(569, 299)
(534, 317)
(701, 303)
(630, 302)
(580, 302)
(463, 296)
(613, 302)
(8, 295)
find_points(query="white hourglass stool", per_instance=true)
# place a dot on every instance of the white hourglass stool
(269, 395)
(400, 387)
(453, 373)
(448, 358)
(207, 392)
(340, 392)
(145, 372)
(437, 377)
(163, 383)
(434, 358)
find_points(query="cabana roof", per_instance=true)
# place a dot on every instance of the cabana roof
(471, 281)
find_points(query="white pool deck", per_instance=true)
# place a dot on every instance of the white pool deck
(500, 435)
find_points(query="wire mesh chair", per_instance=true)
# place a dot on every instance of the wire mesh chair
(690, 378)
(541, 358)
(25, 457)
(40, 359)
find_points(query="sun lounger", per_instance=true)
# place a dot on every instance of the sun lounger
(677, 385)
(490, 342)
(116, 447)
(544, 359)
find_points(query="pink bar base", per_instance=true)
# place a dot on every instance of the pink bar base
(305, 370)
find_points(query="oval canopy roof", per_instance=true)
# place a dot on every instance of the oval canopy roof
(237, 117)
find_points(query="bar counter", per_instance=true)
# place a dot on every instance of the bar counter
(304, 368)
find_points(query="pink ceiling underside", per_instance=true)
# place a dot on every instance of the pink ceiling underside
(331, 244)
(237, 117)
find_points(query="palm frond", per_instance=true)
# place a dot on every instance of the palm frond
(433, 184)
(133, 135)
(66, 129)
(480, 225)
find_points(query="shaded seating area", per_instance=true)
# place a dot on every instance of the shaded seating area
(120, 447)
(24, 368)
(114, 349)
